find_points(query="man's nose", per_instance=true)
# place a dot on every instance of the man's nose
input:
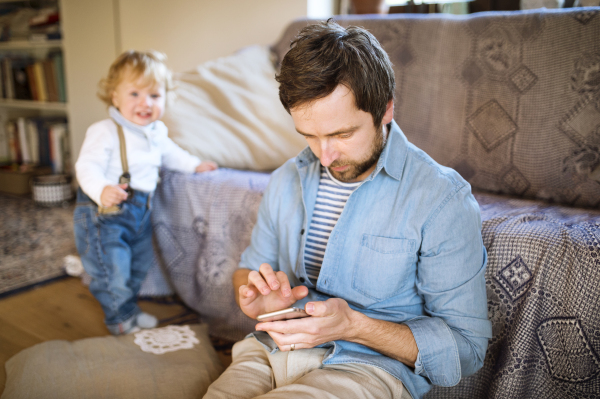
(328, 153)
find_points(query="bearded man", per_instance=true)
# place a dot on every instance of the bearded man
(380, 244)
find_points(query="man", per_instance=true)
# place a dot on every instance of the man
(380, 243)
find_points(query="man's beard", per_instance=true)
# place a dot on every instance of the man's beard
(357, 168)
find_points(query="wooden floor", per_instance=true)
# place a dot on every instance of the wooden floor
(64, 309)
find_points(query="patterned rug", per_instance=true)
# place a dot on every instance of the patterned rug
(33, 242)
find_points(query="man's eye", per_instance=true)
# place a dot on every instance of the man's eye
(134, 94)
(345, 135)
(155, 95)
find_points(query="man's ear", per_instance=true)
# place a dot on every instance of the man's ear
(389, 113)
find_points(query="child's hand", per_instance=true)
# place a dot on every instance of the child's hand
(206, 166)
(113, 195)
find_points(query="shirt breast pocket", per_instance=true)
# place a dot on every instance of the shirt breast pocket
(384, 266)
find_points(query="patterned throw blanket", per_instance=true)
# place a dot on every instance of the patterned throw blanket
(543, 280)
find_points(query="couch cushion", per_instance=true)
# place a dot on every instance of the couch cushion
(117, 367)
(228, 110)
(543, 287)
(511, 100)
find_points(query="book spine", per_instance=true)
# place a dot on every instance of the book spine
(32, 82)
(13, 142)
(2, 85)
(34, 142)
(4, 146)
(58, 136)
(23, 142)
(50, 80)
(60, 77)
(8, 79)
(44, 142)
(40, 81)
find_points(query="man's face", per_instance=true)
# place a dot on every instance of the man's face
(343, 137)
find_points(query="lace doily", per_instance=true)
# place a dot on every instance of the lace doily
(166, 339)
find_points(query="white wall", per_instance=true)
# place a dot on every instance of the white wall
(188, 31)
(193, 31)
(89, 48)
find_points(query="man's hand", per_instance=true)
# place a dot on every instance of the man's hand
(265, 291)
(331, 320)
(113, 195)
(206, 166)
(334, 320)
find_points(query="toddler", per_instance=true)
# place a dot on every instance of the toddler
(117, 171)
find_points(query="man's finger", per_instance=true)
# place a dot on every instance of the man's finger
(322, 309)
(269, 276)
(256, 279)
(291, 326)
(285, 341)
(247, 293)
(284, 284)
(299, 292)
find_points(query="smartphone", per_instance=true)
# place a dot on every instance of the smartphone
(284, 314)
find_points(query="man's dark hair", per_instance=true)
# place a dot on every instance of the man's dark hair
(325, 55)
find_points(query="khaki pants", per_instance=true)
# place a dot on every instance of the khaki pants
(255, 373)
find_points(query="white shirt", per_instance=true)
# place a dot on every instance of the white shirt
(149, 147)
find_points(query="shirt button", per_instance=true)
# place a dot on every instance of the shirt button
(302, 279)
(301, 231)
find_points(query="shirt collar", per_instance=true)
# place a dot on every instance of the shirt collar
(120, 119)
(392, 158)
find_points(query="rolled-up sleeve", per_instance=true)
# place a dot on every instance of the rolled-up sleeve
(453, 340)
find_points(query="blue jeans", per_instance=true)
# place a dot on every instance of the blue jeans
(116, 251)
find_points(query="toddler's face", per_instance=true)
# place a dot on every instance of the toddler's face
(138, 102)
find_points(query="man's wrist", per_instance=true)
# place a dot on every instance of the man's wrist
(359, 327)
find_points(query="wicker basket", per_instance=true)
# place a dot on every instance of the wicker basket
(52, 190)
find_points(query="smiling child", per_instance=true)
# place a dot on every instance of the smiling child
(117, 171)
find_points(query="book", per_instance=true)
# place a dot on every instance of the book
(45, 33)
(32, 82)
(7, 77)
(2, 94)
(40, 81)
(60, 76)
(20, 79)
(50, 76)
(43, 141)
(13, 142)
(33, 140)
(44, 17)
(58, 146)
(23, 142)
(4, 149)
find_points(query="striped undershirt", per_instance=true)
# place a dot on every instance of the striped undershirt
(331, 199)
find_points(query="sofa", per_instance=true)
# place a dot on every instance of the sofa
(511, 100)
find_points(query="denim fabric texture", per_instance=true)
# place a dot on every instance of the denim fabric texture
(116, 251)
(407, 249)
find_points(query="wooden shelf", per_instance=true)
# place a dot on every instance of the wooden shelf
(29, 104)
(26, 44)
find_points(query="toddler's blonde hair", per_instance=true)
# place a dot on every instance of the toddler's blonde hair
(149, 66)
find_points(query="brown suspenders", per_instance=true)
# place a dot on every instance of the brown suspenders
(125, 178)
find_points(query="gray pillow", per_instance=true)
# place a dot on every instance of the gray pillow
(117, 367)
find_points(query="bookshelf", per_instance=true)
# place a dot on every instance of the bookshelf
(36, 96)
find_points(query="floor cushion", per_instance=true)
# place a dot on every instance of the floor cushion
(169, 362)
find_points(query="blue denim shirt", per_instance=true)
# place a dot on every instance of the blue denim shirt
(407, 249)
